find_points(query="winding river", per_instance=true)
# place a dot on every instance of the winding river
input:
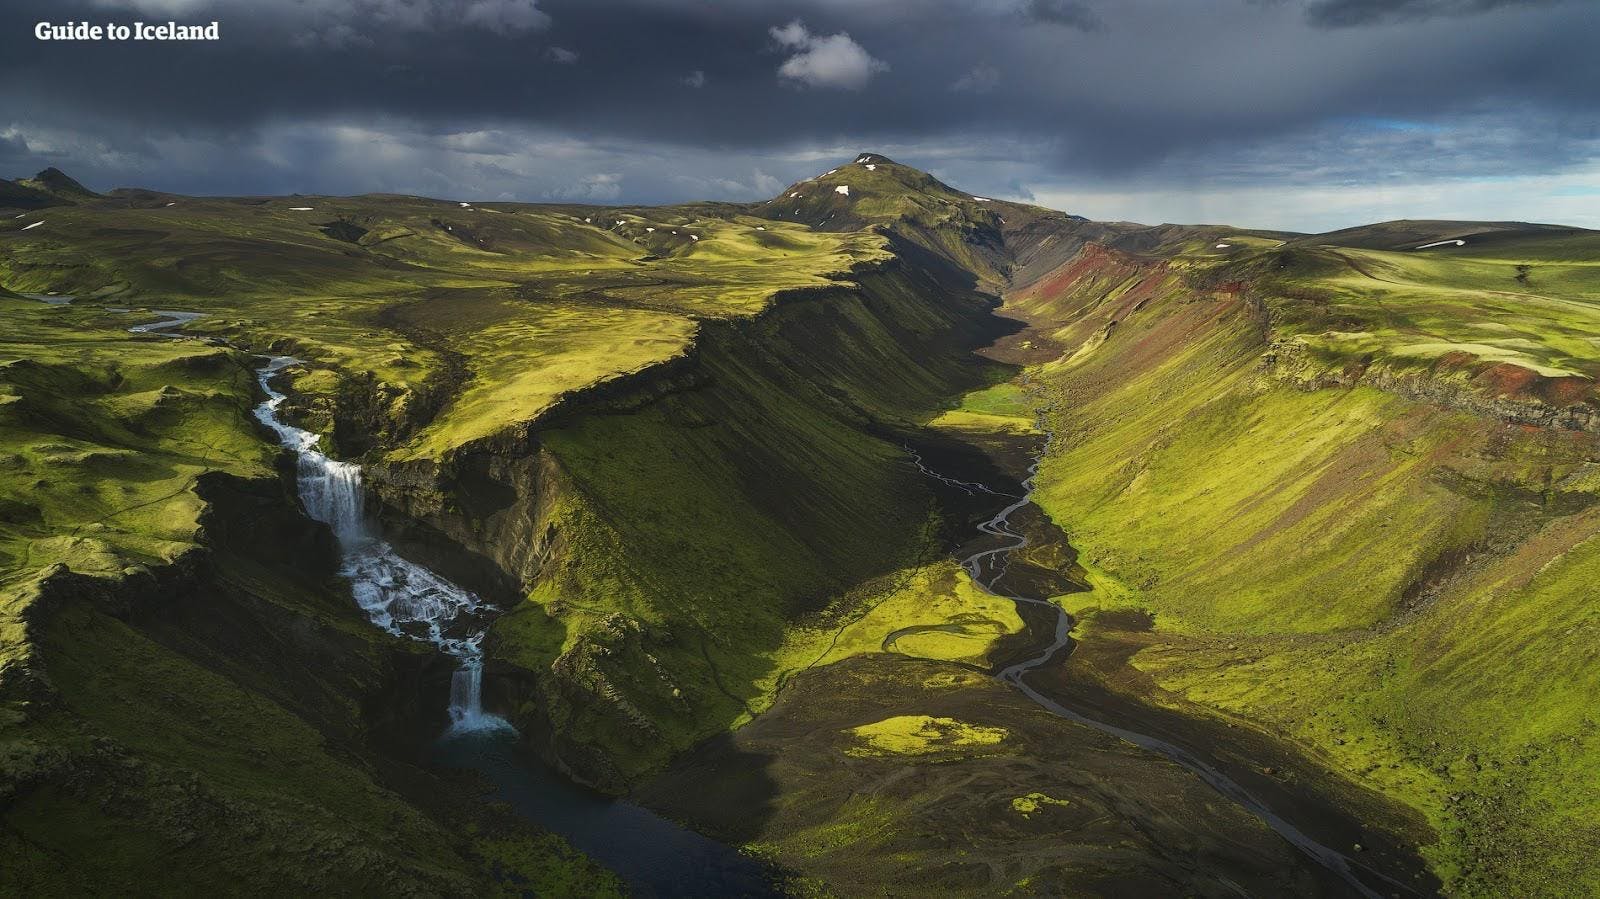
(988, 566)
(656, 856)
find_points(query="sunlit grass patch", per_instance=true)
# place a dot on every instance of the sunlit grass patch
(916, 735)
(1031, 804)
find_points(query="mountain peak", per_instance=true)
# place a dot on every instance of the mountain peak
(868, 188)
(874, 158)
(53, 180)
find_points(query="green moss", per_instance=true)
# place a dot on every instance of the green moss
(696, 543)
(1002, 408)
(151, 763)
(923, 735)
(931, 612)
(860, 820)
(151, 771)
(1029, 805)
(545, 867)
(1393, 584)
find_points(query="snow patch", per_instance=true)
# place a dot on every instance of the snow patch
(649, 230)
(300, 208)
(871, 167)
(32, 226)
(586, 221)
(842, 189)
(1442, 243)
(694, 237)
(794, 196)
(761, 227)
(466, 205)
(983, 199)
(1224, 246)
(173, 203)
(827, 173)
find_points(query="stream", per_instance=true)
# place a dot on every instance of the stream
(655, 856)
(988, 566)
(401, 597)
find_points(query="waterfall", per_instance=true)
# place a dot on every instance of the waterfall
(398, 595)
(332, 494)
(466, 698)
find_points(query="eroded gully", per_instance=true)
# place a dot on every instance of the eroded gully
(657, 857)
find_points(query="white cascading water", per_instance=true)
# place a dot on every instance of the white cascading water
(399, 596)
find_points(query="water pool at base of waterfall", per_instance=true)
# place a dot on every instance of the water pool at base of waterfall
(657, 857)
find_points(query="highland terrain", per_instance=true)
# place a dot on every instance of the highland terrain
(779, 507)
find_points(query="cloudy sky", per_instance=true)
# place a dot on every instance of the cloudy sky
(1301, 114)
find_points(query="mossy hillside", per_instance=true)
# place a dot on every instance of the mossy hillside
(444, 325)
(702, 526)
(58, 183)
(222, 715)
(1076, 306)
(1414, 234)
(104, 436)
(19, 195)
(901, 776)
(525, 349)
(1505, 325)
(1369, 575)
(933, 611)
(147, 771)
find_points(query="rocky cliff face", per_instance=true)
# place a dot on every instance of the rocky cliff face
(1503, 392)
(655, 536)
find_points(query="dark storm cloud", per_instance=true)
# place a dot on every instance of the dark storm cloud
(1350, 13)
(672, 99)
(1070, 13)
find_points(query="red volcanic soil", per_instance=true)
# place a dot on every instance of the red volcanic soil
(1566, 391)
(1093, 260)
(1507, 379)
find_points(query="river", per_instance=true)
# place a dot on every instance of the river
(987, 566)
(657, 857)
